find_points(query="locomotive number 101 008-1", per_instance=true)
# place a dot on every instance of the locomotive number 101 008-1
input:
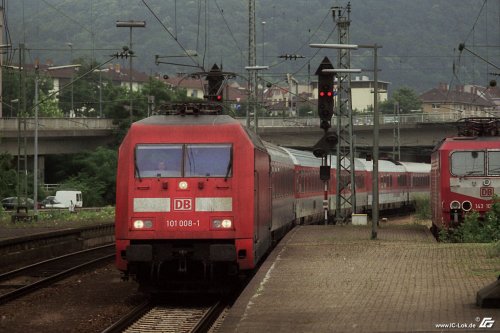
(182, 223)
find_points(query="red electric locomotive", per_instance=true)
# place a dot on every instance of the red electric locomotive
(465, 172)
(194, 199)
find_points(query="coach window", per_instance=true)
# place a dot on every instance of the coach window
(208, 160)
(158, 160)
(467, 163)
(494, 163)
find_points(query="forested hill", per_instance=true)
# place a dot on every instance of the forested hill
(419, 38)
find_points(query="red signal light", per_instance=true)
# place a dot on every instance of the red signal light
(321, 93)
(329, 94)
(219, 97)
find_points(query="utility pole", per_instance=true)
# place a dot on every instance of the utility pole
(1, 59)
(252, 63)
(290, 87)
(130, 24)
(35, 148)
(346, 189)
(375, 174)
(396, 148)
(22, 155)
(72, 112)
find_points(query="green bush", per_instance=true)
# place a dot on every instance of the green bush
(423, 208)
(475, 229)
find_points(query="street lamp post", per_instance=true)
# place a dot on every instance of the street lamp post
(11, 107)
(100, 89)
(35, 148)
(70, 45)
(130, 24)
(263, 42)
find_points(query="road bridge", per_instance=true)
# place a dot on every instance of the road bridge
(418, 133)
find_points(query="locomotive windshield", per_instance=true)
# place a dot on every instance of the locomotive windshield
(213, 160)
(474, 163)
(467, 163)
(494, 163)
(183, 160)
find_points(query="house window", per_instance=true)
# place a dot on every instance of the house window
(435, 106)
(194, 93)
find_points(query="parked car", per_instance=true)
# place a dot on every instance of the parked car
(11, 203)
(51, 202)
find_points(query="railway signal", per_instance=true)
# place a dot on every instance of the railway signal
(215, 80)
(326, 145)
(325, 94)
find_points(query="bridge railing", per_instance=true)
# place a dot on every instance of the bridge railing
(11, 124)
(410, 118)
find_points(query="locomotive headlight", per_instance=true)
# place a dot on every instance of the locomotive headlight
(227, 223)
(183, 185)
(455, 204)
(143, 224)
(222, 223)
(466, 205)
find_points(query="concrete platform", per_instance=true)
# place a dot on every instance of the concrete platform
(335, 279)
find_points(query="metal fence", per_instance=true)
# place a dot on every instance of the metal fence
(11, 124)
(367, 120)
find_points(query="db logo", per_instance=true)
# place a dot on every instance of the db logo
(183, 204)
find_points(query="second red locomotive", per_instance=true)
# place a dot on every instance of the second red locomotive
(465, 172)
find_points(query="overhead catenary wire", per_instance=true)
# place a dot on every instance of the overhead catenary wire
(172, 35)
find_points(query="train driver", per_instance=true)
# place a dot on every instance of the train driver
(161, 170)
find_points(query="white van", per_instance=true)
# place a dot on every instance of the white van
(67, 199)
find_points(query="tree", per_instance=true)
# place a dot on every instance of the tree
(407, 99)
(93, 173)
(49, 106)
(11, 90)
(8, 178)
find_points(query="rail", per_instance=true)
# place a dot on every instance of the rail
(42, 274)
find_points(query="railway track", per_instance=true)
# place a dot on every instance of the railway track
(24, 280)
(169, 318)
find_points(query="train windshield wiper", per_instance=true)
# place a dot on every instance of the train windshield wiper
(229, 165)
(136, 167)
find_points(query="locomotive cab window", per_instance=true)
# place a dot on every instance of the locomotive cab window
(208, 160)
(494, 163)
(183, 160)
(158, 161)
(467, 163)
